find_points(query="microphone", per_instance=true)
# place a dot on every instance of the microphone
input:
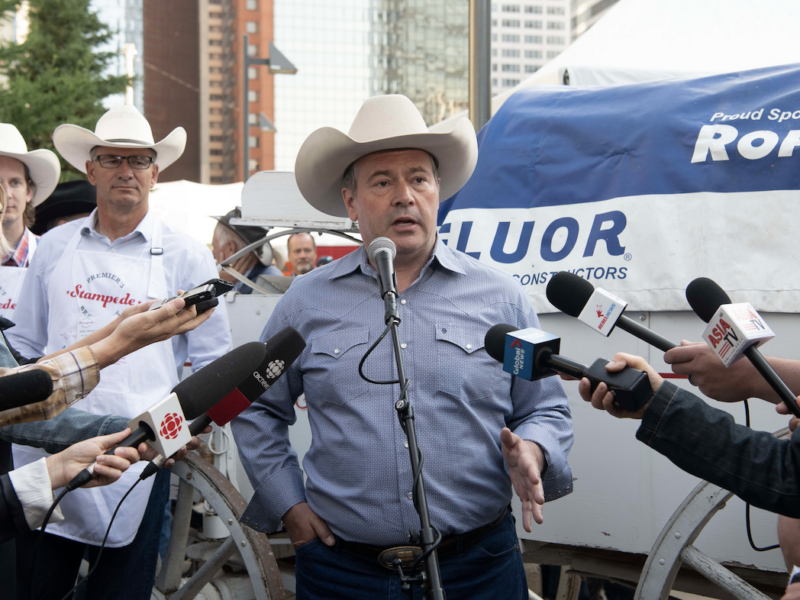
(24, 388)
(382, 252)
(281, 350)
(187, 401)
(533, 354)
(736, 330)
(597, 308)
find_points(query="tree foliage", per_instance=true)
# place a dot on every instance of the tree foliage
(57, 75)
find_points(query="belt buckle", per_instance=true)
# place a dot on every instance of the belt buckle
(405, 554)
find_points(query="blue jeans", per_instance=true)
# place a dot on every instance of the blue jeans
(126, 573)
(489, 569)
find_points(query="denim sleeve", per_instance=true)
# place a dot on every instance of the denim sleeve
(707, 443)
(63, 430)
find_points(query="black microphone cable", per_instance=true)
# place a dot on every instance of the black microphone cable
(103, 545)
(747, 504)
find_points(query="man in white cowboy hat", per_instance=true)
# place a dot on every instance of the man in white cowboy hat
(476, 424)
(27, 178)
(84, 274)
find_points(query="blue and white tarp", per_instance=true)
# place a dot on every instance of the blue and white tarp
(641, 188)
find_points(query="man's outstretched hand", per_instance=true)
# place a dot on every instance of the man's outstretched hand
(525, 462)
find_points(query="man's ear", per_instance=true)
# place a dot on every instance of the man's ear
(155, 176)
(90, 172)
(350, 204)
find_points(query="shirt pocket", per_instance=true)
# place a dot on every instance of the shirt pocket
(464, 369)
(331, 374)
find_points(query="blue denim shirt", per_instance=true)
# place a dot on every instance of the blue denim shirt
(359, 471)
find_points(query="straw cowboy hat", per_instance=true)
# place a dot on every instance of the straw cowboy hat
(43, 165)
(389, 122)
(121, 127)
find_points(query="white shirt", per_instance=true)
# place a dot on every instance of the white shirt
(187, 263)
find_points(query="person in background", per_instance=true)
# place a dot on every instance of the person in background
(228, 239)
(84, 274)
(27, 178)
(302, 253)
(71, 200)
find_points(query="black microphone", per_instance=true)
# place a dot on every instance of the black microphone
(382, 252)
(27, 387)
(571, 294)
(533, 354)
(706, 298)
(281, 350)
(195, 395)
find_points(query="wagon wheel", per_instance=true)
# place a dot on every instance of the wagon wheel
(674, 547)
(197, 474)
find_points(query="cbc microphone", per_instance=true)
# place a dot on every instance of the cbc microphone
(736, 330)
(597, 308)
(533, 354)
(281, 350)
(163, 425)
(382, 252)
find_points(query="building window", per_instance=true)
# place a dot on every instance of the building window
(252, 50)
(215, 97)
(531, 68)
(494, 7)
(553, 53)
(555, 10)
(510, 22)
(216, 179)
(253, 141)
(216, 138)
(215, 42)
(510, 82)
(494, 37)
(494, 82)
(215, 152)
(536, 10)
(555, 25)
(494, 66)
(252, 73)
(510, 52)
(533, 54)
(494, 51)
(494, 22)
(510, 38)
(533, 24)
(252, 4)
(555, 39)
(215, 111)
(215, 69)
(252, 27)
(252, 96)
(510, 68)
(252, 119)
(533, 39)
(254, 166)
(510, 7)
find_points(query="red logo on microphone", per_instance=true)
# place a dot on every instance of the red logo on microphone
(171, 426)
(516, 344)
(599, 311)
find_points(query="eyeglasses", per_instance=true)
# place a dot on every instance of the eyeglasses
(140, 163)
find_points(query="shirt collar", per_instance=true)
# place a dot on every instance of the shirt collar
(144, 228)
(346, 265)
(19, 256)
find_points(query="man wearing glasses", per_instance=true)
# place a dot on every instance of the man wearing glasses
(83, 275)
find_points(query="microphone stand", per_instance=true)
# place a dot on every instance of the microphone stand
(432, 585)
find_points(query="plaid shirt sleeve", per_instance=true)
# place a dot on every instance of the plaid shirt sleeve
(74, 375)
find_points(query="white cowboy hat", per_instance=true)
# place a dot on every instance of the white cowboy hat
(387, 122)
(121, 127)
(43, 165)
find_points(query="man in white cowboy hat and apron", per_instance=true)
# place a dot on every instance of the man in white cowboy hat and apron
(28, 178)
(476, 425)
(84, 274)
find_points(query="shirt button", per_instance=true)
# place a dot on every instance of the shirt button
(336, 351)
(469, 346)
(403, 301)
(405, 444)
(410, 495)
(113, 250)
(404, 345)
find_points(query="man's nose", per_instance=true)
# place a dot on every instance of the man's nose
(404, 194)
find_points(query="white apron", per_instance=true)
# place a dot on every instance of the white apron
(11, 279)
(82, 283)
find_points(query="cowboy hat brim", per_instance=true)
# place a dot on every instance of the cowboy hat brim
(327, 152)
(74, 144)
(44, 170)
